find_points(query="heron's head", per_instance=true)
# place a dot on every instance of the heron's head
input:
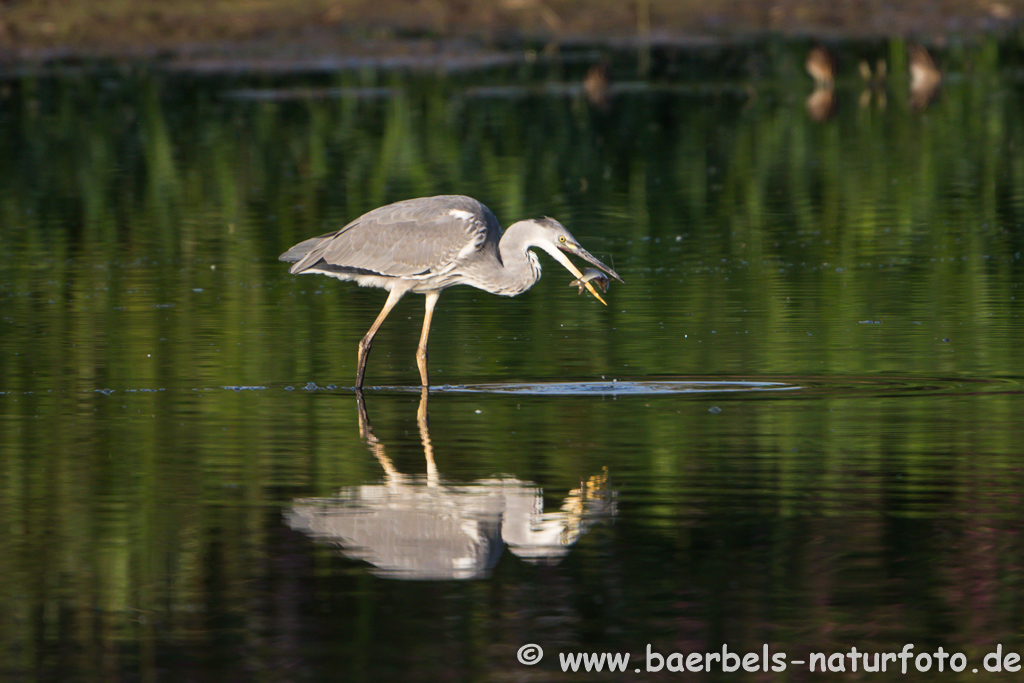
(552, 237)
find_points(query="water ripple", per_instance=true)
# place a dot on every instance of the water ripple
(617, 388)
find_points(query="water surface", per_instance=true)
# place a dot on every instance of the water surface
(796, 424)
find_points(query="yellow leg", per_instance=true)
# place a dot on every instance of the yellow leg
(367, 341)
(421, 350)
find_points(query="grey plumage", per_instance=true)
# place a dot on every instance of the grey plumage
(410, 239)
(428, 244)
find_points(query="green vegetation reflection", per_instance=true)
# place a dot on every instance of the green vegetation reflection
(142, 214)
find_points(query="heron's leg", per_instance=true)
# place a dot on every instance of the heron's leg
(421, 351)
(367, 341)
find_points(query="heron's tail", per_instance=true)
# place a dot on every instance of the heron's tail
(301, 250)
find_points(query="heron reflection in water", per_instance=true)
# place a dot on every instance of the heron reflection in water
(428, 244)
(427, 528)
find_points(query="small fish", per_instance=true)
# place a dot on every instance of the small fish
(593, 276)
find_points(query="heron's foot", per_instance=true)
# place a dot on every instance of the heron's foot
(421, 363)
(364, 352)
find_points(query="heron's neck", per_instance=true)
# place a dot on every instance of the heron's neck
(521, 267)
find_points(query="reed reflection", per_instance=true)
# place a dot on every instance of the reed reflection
(925, 77)
(821, 103)
(423, 527)
(874, 84)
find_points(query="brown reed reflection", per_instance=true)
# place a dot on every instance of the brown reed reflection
(821, 66)
(925, 77)
(423, 527)
(874, 83)
(595, 85)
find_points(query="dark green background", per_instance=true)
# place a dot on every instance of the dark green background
(875, 260)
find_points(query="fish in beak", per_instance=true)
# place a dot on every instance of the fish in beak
(593, 275)
(571, 247)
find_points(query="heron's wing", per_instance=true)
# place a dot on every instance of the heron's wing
(412, 238)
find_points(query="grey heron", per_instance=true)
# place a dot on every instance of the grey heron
(428, 244)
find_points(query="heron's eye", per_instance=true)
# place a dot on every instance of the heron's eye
(561, 238)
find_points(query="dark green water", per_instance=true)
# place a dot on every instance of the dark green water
(798, 424)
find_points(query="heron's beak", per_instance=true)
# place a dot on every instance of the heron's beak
(577, 250)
